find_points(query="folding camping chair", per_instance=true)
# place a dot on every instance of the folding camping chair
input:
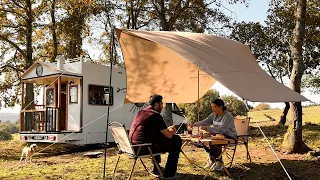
(124, 146)
(242, 128)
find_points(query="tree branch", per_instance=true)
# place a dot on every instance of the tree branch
(147, 23)
(13, 44)
(20, 6)
(269, 69)
(12, 12)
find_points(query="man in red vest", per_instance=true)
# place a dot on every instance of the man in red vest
(149, 127)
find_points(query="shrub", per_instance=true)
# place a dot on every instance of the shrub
(7, 126)
(191, 110)
(262, 106)
(4, 135)
(235, 106)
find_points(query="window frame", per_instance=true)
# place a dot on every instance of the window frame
(111, 101)
(77, 94)
(53, 96)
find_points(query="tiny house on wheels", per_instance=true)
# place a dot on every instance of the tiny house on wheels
(74, 100)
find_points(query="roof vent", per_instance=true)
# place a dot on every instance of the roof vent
(60, 61)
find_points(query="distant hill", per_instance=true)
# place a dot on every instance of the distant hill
(12, 117)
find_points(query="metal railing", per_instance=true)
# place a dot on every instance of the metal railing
(52, 117)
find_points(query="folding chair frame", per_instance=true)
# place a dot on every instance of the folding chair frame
(134, 156)
(241, 139)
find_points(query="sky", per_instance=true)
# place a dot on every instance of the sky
(257, 12)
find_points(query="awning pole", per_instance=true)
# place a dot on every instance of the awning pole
(198, 103)
(110, 79)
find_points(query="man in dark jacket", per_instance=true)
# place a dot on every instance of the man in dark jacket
(149, 127)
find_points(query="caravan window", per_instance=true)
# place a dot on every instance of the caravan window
(100, 95)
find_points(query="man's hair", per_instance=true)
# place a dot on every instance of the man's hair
(156, 98)
(219, 102)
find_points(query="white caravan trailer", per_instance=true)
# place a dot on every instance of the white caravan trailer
(74, 105)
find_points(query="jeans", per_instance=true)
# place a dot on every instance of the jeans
(173, 147)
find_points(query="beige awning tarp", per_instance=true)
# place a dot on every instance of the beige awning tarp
(167, 63)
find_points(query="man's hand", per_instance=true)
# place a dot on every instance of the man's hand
(204, 128)
(172, 129)
(169, 132)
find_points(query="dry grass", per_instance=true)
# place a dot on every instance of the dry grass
(63, 162)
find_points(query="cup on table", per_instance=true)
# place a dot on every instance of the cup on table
(185, 133)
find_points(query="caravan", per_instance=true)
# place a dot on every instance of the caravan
(74, 105)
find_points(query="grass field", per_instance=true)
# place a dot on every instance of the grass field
(64, 162)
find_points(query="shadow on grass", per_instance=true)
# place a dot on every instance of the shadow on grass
(121, 175)
(296, 169)
(50, 150)
(195, 176)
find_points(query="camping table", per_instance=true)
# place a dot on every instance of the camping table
(207, 141)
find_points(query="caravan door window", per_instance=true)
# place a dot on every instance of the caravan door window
(73, 92)
(50, 97)
(100, 95)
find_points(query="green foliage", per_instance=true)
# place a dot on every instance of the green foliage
(4, 136)
(312, 81)
(235, 106)
(191, 109)
(9, 127)
(261, 107)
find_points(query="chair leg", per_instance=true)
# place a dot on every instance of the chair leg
(224, 167)
(156, 163)
(134, 164)
(234, 152)
(225, 170)
(145, 167)
(248, 154)
(115, 168)
(189, 160)
(185, 143)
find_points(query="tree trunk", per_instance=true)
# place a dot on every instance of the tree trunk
(167, 110)
(53, 28)
(167, 114)
(283, 117)
(162, 16)
(292, 142)
(29, 98)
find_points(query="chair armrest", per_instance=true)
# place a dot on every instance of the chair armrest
(145, 144)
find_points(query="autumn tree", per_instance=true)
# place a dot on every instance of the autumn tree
(16, 33)
(73, 25)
